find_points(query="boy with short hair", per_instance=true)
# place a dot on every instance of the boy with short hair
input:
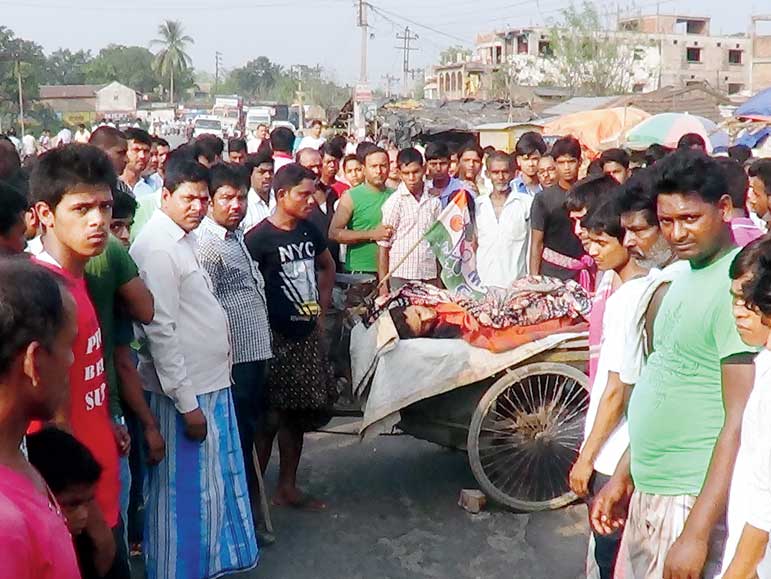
(605, 435)
(555, 250)
(71, 472)
(615, 163)
(410, 211)
(72, 190)
(353, 170)
(760, 188)
(438, 174)
(528, 151)
(13, 208)
(749, 508)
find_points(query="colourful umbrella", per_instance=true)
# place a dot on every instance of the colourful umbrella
(667, 128)
(599, 129)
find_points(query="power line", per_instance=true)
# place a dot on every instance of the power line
(388, 15)
(407, 38)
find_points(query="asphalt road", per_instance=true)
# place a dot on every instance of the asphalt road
(393, 514)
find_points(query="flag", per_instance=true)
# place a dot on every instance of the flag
(450, 239)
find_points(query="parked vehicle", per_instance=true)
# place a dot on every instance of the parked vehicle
(208, 125)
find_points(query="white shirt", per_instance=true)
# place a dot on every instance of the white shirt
(64, 137)
(279, 161)
(311, 143)
(185, 349)
(28, 145)
(82, 136)
(503, 240)
(749, 500)
(257, 210)
(617, 308)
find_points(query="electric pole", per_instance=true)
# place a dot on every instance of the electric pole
(390, 80)
(21, 95)
(406, 39)
(361, 22)
(217, 65)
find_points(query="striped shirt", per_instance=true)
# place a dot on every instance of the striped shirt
(238, 285)
(410, 219)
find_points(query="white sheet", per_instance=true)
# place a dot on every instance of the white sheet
(404, 372)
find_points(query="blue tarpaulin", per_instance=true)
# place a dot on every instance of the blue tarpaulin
(757, 106)
(752, 140)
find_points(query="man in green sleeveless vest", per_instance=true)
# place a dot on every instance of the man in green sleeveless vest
(358, 219)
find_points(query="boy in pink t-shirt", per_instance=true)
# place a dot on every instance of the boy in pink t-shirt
(37, 328)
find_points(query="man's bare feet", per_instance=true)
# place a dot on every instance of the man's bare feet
(295, 499)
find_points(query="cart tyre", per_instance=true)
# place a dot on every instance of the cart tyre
(548, 444)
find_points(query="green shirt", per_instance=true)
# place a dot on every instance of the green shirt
(146, 206)
(676, 410)
(106, 273)
(367, 215)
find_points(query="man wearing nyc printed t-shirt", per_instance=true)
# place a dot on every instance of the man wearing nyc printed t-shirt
(299, 273)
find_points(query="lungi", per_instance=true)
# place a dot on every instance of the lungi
(198, 522)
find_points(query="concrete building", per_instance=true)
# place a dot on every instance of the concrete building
(87, 103)
(672, 50)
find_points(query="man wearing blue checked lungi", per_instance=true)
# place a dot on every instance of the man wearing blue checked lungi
(198, 523)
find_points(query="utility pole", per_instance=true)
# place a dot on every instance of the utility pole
(217, 65)
(406, 39)
(390, 80)
(361, 22)
(21, 95)
(300, 94)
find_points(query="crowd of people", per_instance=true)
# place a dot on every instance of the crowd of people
(184, 293)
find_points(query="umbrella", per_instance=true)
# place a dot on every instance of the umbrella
(599, 129)
(757, 108)
(667, 128)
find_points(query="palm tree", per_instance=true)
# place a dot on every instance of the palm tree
(172, 59)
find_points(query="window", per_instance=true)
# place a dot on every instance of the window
(693, 83)
(693, 54)
(719, 44)
(544, 48)
(522, 44)
(638, 87)
(674, 42)
(735, 56)
(734, 87)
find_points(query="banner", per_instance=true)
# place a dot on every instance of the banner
(451, 239)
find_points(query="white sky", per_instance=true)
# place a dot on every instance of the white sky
(316, 31)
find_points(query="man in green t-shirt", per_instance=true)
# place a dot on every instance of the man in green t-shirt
(358, 218)
(119, 295)
(686, 408)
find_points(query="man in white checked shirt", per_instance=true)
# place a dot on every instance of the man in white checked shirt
(410, 212)
(238, 285)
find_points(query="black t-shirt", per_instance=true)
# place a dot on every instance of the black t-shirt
(287, 261)
(548, 214)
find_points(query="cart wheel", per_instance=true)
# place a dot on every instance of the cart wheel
(525, 435)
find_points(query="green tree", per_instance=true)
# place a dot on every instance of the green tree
(129, 65)
(450, 54)
(256, 78)
(172, 60)
(65, 67)
(588, 58)
(18, 56)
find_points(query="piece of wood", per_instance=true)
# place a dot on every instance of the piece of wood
(264, 505)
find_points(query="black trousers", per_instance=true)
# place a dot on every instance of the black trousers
(605, 546)
(250, 402)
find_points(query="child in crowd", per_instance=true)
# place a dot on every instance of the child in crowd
(749, 502)
(71, 472)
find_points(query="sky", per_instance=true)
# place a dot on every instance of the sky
(319, 32)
